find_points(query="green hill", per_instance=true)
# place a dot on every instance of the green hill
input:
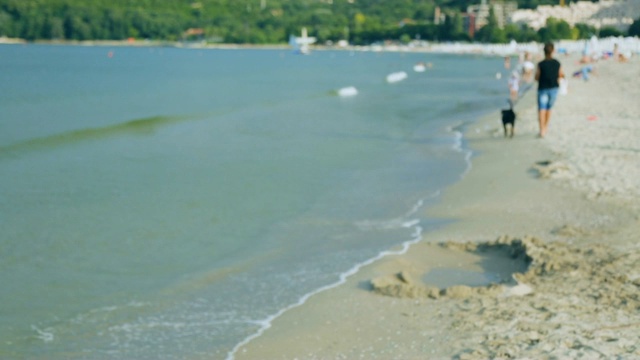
(238, 21)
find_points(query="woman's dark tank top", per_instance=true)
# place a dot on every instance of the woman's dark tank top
(549, 70)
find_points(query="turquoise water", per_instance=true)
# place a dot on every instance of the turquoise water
(166, 203)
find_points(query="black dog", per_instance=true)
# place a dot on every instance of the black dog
(508, 118)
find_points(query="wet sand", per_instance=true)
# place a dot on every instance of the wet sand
(542, 260)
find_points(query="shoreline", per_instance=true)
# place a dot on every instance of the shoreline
(398, 250)
(629, 45)
(508, 195)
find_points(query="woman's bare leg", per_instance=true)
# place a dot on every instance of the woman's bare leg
(546, 120)
(542, 115)
(543, 120)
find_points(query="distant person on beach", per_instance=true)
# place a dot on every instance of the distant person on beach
(584, 72)
(548, 74)
(514, 82)
(623, 57)
(527, 68)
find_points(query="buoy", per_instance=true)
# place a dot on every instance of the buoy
(396, 76)
(348, 91)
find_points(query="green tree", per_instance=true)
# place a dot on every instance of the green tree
(634, 29)
(452, 29)
(609, 31)
(75, 28)
(361, 21)
(33, 27)
(491, 32)
(555, 30)
(520, 33)
(53, 28)
(585, 31)
(545, 35)
(6, 24)
(563, 29)
(423, 13)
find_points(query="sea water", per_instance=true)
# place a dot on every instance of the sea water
(163, 203)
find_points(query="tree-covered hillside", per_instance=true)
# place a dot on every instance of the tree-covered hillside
(254, 21)
(244, 21)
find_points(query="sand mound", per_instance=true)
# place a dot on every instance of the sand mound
(551, 169)
(403, 284)
(572, 301)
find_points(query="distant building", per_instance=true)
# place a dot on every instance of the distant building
(618, 14)
(480, 13)
(469, 24)
(193, 34)
(502, 9)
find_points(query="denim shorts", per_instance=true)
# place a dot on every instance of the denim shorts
(546, 98)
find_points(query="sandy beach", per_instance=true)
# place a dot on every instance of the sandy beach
(541, 261)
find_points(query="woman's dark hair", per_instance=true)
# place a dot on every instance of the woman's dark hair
(548, 48)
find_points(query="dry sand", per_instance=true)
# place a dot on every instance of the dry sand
(562, 212)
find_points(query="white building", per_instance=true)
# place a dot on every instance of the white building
(502, 9)
(619, 14)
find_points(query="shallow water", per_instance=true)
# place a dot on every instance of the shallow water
(165, 203)
(475, 269)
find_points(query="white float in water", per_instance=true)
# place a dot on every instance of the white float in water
(348, 91)
(498, 75)
(396, 76)
(419, 68)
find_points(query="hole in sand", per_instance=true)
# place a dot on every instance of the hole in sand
(479, 268)
(456, 270)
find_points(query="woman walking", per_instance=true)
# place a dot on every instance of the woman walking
(548, 73)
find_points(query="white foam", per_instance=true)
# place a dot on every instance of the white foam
(392, 224)
(396, 76)
(467, 158)
(45, 336)
(457, 146)
(411, 223)
(266, 323)
(416, 236)
(419, 205)
(397, 223)
(348, 91)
